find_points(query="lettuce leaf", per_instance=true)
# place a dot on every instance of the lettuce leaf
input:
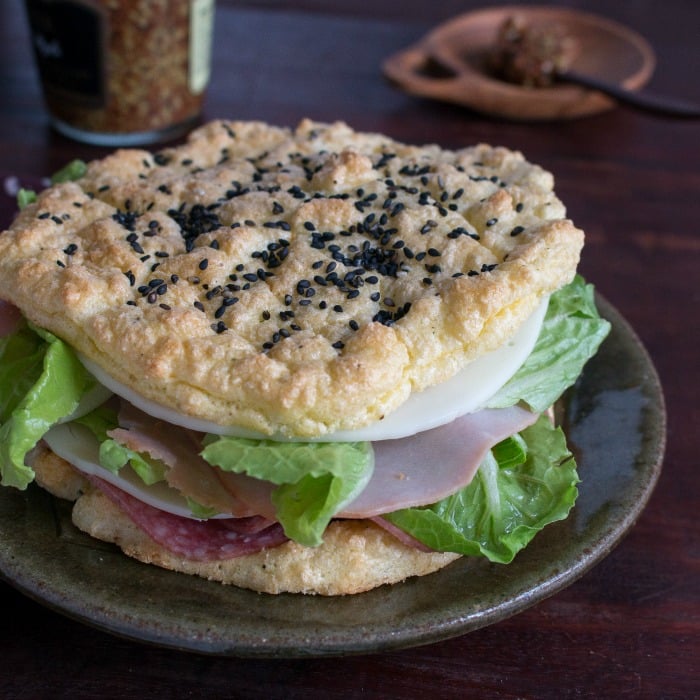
(571, 333)
(314, 479)
(114, 456)
(505, 505)
(25, 197)
(41, 382)
(69, 172)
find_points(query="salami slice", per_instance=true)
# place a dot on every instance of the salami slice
(196, 540)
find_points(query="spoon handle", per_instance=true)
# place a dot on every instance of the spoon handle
(641, 100)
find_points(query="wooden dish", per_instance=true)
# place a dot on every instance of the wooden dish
(450, 64)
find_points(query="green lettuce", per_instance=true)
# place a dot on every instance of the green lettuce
(314, 479)
(505, 505)
(25, 197)
(72, 171)
(41, 382)
(114, 456)
(571, 333)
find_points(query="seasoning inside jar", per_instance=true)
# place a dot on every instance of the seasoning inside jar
(530, 55)
(122, 72)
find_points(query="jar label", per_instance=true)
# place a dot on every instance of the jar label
(201, 28)
(67, 38)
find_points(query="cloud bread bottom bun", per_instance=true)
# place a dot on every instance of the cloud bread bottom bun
(356, 555)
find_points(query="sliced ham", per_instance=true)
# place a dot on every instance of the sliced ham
(187, 472)
(429, 466)
(197, 540)
(408, 472)
(10, 317)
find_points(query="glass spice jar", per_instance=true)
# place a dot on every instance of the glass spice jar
(122, 72)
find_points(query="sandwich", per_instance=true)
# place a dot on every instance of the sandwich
(306, 360)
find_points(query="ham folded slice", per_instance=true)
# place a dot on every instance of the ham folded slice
(429, 466)
(10, 317)
(408, 472)
(187, 472)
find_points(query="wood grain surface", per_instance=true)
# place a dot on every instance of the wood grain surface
(630, 628)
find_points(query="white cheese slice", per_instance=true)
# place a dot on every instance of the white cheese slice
(464, 393)
(77, 445)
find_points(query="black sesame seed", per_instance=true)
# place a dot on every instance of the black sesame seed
(519, 207)
(517, 230)
(491, 222)
(354, 324)
(71, 249)
(339, 345)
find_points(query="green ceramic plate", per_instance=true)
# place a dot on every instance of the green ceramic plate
(616, 425)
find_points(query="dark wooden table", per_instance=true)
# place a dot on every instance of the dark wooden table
(631, 626)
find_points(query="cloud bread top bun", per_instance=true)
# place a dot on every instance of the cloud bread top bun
(289, 281)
